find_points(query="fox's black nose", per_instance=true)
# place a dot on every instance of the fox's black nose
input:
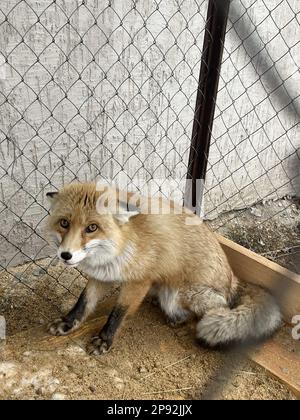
(66, 256)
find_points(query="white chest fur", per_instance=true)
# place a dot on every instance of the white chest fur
(110, 271)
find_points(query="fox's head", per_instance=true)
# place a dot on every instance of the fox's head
(80, 230)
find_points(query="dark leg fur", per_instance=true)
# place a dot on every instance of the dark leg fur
(178, 319)
(84, 307)
(131, 296)
(74, 318)
(102, 343)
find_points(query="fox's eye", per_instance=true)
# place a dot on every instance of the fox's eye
(64, 223)
(92, 228)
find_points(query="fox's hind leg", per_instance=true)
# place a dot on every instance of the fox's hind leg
(202, 299)
(170, 302)
(85, 305)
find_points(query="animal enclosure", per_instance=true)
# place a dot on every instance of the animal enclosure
(110, 90)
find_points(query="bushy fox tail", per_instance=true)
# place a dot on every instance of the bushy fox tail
(256, 317)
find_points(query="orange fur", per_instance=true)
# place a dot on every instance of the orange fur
(183, 261)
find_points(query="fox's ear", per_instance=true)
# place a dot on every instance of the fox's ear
(124, 217)
(51, 196)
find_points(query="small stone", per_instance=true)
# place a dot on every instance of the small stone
(119, 383)
(74, 350)
(41, 391)
(112, 372)
(92, 389)
(16, 391)
(54, 381)
(142, 369)
(120, 386)
(27, 353)
(7, 370)
(52, 388)
(58, 397)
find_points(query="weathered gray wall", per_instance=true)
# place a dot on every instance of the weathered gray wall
(131, 110)
(255, 154)
(55, 127)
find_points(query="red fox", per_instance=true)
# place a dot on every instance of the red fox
(181, 263)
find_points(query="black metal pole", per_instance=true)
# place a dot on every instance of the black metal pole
(212, 56)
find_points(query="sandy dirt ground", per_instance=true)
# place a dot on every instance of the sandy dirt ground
(150, 360)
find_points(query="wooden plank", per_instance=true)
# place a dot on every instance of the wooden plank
(255, 269)
(280, 356)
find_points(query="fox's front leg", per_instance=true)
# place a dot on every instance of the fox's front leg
(85, 305)
(131, 296)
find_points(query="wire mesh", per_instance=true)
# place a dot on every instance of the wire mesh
(253, 173)
(89, 89)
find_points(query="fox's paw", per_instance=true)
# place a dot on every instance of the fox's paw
(175, 323)
(178, 320)
(99, 346)
(60, 327)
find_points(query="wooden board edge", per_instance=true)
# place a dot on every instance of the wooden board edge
(280, 357)
(253, 268)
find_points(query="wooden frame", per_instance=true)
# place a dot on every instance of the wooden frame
(255, 269)
(280, 356)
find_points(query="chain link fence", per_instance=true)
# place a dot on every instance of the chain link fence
(108, 89)
(88, 89)
(253, 177)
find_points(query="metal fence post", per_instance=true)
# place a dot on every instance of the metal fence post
(212, 55)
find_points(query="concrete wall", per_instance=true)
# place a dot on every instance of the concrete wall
(126, 112)
(86, 100)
